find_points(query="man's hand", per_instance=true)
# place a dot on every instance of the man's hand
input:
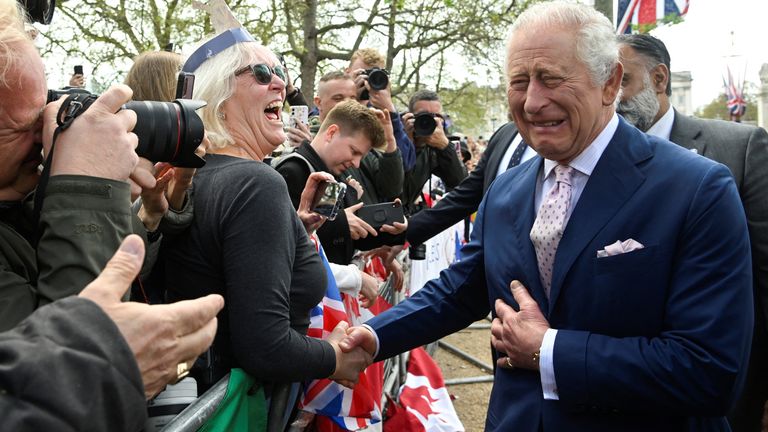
(100, 142)
(77, 80)
(408, 125)
(389, 134)
(349, 363)
(160, 336)
(518, 334)
(438, 139)
(311, 220)
(358, 228)
(354, 184)
(369, 289)
(297, 135)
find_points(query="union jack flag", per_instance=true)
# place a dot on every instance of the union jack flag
(646, 12)
(347, 409)
(734, 92)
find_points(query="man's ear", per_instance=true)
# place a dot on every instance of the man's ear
(612, 87)
(659, 78)
(317, 101)
(330, 131)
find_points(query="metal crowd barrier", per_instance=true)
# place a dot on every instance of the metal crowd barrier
(199, 411)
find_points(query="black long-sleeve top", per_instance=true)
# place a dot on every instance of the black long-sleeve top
(247, 243)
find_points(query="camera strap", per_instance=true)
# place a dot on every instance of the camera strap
(71, 108)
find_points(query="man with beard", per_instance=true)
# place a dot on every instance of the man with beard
(743, 149)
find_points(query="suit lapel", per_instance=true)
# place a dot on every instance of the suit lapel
(687, 133)
(613, 181)
(522, 206)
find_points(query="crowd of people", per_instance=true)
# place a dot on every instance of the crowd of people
(619, 246)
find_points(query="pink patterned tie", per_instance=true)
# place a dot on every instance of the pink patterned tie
(550, 223)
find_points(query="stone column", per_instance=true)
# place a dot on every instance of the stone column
(762, 97)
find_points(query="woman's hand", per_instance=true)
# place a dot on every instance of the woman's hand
(348, 365)
(369, 290)
(311, 220)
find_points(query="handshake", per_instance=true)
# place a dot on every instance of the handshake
(354, 348)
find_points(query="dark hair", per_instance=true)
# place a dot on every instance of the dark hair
(652, 49)
(422, 95)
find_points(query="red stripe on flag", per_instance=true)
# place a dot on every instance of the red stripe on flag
(647, 12)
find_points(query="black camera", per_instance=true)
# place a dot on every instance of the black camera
(417, 252)
(378, 79)
(424, 124)
(167, 131)
(40, 10)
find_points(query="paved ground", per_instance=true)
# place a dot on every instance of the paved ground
(471, 400)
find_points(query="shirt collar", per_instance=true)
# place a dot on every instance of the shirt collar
(663, 127)
(586, 160)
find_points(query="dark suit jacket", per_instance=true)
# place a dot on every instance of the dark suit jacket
(744, 150)
(465, 198)
(652, 340)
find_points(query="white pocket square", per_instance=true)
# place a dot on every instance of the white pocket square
(619, 247)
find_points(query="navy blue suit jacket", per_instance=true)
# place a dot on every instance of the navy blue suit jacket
(653, 340)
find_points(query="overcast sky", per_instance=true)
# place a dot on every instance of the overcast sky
(702, 43)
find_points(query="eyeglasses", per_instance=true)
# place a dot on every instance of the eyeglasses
(262, 72)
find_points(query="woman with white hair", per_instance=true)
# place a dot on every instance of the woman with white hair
(247, 242)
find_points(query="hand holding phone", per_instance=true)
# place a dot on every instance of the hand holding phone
(329, 199)
(378, 215)
(299, 114)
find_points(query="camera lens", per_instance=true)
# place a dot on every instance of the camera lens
(424, 124)
(417, 252)
(378, 79)
(169, 131)
(40, 10)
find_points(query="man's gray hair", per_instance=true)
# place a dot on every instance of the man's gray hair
(596, 44)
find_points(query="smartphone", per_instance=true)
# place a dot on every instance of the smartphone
(299, 114)
(329, 199)
(377, 215)
(185, 85)
(78, 69)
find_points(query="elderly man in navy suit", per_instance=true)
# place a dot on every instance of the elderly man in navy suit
(630, 306)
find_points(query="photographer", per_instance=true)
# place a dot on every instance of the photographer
(435, 154)
(363, 63)
(85, 212)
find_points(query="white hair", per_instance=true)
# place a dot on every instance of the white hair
(12, 33)
(596, 45)
(215, 82)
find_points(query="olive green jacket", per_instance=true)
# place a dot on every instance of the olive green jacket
(82, 222)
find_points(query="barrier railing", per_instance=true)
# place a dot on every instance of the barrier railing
(199, 411)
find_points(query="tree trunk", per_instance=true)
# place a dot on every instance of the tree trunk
(309, 57)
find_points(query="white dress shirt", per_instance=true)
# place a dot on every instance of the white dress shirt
(582, 165)
(663, 127)
(529, 153)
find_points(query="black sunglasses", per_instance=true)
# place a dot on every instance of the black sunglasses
(262, 72)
